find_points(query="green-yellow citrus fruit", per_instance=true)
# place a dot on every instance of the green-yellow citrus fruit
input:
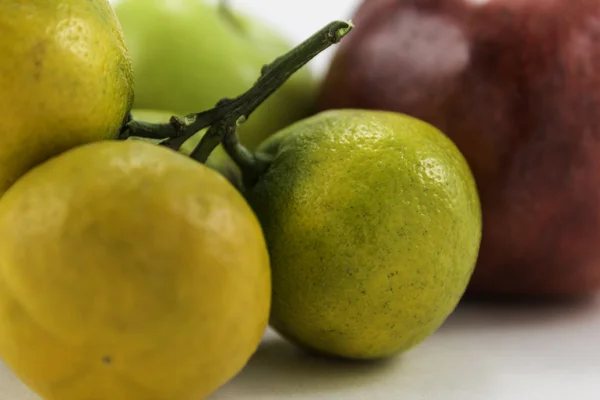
(65, 80)
(187, 55)
(373, 225)
(129, 272)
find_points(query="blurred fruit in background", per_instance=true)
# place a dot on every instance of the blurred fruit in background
(516, 85)
(189, 54)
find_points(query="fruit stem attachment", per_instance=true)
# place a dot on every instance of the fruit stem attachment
(227, 114)
(271, 78)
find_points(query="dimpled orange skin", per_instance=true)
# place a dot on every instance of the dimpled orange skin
(65, 79)
(373, 224)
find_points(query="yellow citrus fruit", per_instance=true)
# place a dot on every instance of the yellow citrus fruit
(65, 79)
(373, 225)
(129, 272)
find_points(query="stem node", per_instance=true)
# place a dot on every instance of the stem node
(222, 120)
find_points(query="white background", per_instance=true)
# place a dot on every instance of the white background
(482, 352)
(297, 20)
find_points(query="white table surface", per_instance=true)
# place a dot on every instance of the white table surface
(482, 352)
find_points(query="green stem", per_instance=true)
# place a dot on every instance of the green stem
(148, 130)
(228, 113)
(250, 165)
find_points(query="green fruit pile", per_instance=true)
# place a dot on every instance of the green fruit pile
(131, 268)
